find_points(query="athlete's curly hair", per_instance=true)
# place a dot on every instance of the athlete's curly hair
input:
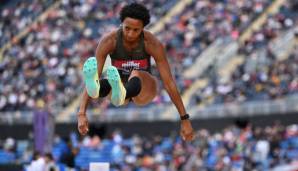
(136, 11)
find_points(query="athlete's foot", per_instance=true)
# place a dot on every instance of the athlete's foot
(90, 76)
(118, 90)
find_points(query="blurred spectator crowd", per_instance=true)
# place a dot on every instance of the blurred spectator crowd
(16, 15)
(45, 64)
(263, 75)
(241, 147)
(202, 22)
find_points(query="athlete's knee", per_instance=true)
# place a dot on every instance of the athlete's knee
(133, 87)
(135, 73)
(105, 88)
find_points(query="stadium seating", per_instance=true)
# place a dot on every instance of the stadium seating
(61, 64)
(44, 68)
(265, 74)
(231, 148)
(17, 15)
(53, 52)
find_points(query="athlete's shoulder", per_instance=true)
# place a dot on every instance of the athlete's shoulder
(110, 36)
(108, 40)
(153, 46)
(150, 39)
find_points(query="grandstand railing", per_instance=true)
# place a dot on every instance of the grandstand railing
(154, 112)
(280, 106)
(22, 117)
(149, 113)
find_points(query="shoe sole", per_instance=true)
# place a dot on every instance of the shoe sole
(118, 90)
(90, 75)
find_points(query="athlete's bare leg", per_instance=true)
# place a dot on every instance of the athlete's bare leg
(149, 87)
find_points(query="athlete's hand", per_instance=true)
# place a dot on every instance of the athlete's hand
(186, 132)
(83, 125)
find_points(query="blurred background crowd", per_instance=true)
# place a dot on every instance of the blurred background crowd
(44, 44)
(54, 49)
(241, 146)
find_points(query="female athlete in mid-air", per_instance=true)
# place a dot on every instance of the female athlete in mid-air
(129, 78)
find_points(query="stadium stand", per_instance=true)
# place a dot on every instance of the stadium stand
(54, 49)
(17, 15)
(265, 74)
(273, 147)
(43, 66)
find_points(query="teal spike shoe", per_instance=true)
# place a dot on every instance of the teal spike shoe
(118, 90)
(90, 76)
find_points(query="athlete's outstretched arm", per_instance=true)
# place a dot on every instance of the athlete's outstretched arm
(104, 47)
(156, 49)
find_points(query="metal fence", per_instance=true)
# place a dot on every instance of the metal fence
(280, 106)
(154, 112)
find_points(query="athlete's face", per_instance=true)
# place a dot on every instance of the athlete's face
(132, 29)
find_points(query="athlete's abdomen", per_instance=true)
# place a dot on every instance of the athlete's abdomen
(125, 67)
